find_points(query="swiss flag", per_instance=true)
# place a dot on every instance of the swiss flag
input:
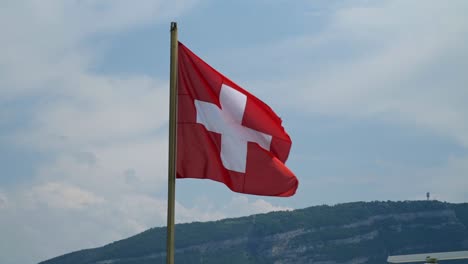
(226, 134)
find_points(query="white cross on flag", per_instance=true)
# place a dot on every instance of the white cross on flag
(227, 121)
(226, 134)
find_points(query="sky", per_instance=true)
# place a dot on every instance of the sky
(372, 93)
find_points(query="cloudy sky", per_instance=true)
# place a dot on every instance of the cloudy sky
(373, 93)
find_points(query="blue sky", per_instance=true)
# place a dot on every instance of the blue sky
(373, 94)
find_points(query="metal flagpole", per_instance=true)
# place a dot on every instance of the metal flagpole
(172, 145)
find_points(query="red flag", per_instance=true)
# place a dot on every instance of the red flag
(226, 134)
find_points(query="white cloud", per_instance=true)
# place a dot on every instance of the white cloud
(142, 211)
(239, 205)
(395, 60)
(71, 218)
(197, 213)
(104, 178)
(99, 111)
(63, 196)
(242, 206)
(74, 218)
(44, 42)
(95, 127)
(104, 169)
(3, 200)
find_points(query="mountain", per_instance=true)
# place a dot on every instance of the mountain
(352, 233)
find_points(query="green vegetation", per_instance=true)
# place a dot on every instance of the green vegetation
(365, 231)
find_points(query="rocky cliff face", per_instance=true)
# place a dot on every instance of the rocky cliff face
(351, 233)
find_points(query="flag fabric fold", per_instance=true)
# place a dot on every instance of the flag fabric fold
(226, 134)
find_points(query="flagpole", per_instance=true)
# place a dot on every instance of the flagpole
(172, 145)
